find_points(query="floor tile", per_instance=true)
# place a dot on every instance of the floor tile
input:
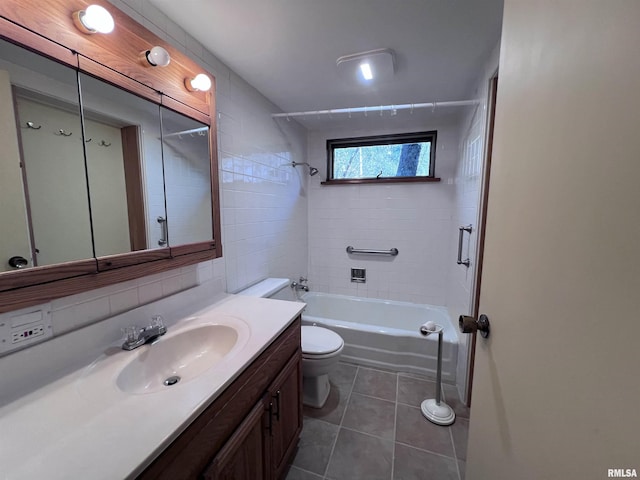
(413, 391)
(376, 384)
(460, 431)
(414, 464)
(341, 379)
(333, 409)
(415, 430)
(453, 400)
(314, 448)
(360, 456)
(370, 415)
(296, 473)
(343, 375)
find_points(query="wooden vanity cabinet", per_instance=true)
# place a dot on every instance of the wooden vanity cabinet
(251, 430)
(286, 415)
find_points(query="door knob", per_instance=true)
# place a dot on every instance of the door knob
(470, 325)
(18, 262)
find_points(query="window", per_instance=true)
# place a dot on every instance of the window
(383, 158)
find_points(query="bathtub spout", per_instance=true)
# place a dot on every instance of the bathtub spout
(300, 285)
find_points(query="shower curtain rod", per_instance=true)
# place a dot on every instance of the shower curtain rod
(187, 132)
(378, 109)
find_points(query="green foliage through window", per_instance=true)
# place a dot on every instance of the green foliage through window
(382, 157)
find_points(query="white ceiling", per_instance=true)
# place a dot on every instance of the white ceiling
(287, 49)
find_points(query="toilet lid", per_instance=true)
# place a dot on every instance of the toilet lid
(319, 341)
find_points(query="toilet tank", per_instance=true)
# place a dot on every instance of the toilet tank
(278, 288)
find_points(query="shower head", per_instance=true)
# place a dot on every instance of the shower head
(312, 170)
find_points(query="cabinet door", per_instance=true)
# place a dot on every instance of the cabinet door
(243, 457)
(286, 413)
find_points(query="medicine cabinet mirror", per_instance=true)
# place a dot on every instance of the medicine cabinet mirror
(45, 213)
(98, 184)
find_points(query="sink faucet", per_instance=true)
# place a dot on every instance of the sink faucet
(137, 336)
(300, 284)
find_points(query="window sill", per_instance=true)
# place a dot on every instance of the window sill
(355, 181)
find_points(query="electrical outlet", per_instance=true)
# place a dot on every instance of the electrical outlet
(22, 328)
(27, 333)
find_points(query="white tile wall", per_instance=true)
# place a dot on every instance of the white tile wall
(264, 200)
(414, 218)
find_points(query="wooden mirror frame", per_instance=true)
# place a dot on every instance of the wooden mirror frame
(46, 27)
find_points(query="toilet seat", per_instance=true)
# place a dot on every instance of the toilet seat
(319, 342)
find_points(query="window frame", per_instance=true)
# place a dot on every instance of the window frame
(373, 140)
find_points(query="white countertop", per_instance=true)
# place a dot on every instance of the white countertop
(82, 425)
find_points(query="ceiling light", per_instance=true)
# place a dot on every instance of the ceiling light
(361, 67)
(367, 74)
(157, 57)
(95, 19)
(199, 83)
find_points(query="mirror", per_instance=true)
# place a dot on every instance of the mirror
(187, 178)
(83, 196)
(138, 179)
(45, 214)
(124, 168)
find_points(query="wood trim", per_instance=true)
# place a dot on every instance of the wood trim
(214, 426)
(37, 293)
(358, 181)
(180, 107)
(121, 51)
(16, 34)
(192, 247)
(37, 276)
(491, 114)
(131, 155)
(88, 66)
(109, 262)
(216, 210)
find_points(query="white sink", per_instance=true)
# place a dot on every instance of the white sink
(177, 358)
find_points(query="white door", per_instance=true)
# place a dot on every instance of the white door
(557, 384)
(14, 236)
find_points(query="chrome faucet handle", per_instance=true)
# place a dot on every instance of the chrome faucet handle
(303, 280)
(158, 322)
(133, 338)
(132, 333)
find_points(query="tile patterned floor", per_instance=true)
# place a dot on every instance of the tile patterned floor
(371, 428)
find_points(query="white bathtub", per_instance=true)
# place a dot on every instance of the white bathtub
(383, 333)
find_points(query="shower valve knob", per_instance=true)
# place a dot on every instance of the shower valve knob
(471, 325)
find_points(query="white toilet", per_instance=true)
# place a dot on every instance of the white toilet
(321, 347)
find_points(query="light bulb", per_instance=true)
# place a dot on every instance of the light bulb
(200, 83)
(95, 19)
(365, 68)
(158, 57)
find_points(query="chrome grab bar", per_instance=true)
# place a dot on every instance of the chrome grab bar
(468, 229)
(165, 234)
(392, 252)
